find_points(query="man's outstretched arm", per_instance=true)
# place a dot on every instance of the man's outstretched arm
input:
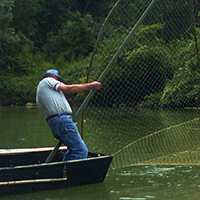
(74, 88)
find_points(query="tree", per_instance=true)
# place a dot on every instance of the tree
(14, 48)
(74, 39)
(24, 21)
(7, 34)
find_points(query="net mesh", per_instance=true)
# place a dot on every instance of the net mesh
(170, 146)
(156, 69)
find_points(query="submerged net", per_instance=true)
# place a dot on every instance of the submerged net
(175, 145)
(139, 115)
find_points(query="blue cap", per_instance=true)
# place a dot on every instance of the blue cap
(52, 71)
(55, 72)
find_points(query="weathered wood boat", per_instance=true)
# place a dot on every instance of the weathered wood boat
(25, 170)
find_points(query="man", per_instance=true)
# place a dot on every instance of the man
(56, 109)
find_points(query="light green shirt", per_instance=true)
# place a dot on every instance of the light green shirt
(50, 100)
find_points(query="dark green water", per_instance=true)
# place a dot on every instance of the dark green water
(21, 127)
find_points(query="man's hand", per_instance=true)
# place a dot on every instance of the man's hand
(96, 85)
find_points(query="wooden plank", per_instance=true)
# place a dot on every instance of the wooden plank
(28, 150)
(33, 181)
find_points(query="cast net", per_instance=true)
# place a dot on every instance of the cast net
(146, 111)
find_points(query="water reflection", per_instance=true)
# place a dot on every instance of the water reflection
(21, 127)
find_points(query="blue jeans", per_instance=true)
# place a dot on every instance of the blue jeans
(64, 129)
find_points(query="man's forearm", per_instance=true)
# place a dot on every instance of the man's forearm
(74, 88)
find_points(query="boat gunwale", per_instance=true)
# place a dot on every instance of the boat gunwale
(19, 151)
(56, 163)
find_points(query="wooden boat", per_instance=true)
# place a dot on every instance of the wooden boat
(25, 170)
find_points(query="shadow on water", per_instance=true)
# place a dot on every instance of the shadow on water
(89, 192)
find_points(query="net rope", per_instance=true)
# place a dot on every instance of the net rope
(127, 116)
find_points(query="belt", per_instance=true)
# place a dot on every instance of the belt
(52, 117)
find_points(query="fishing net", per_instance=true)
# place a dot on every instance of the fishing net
(145, 112)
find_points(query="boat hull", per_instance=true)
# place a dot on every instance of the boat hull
(27, 171)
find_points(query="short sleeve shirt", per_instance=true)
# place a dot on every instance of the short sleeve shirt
(50, 100)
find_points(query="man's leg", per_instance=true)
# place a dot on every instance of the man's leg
(66, 130)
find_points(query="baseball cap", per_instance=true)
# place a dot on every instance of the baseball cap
(55, 72)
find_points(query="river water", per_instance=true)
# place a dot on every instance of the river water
(21, 127)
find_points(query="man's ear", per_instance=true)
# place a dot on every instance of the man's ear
(55, 77)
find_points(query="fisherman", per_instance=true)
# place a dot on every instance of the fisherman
(56, 109)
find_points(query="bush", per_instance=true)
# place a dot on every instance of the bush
(18, 91)
(74, 39)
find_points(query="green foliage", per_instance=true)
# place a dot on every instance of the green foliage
(16, 56)
(146, 75)
(37, 35)
(74, 39)
(183, 89)
(17, 90)
(151, 100)
(7, 37)
(25, 12)
(6, 14)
